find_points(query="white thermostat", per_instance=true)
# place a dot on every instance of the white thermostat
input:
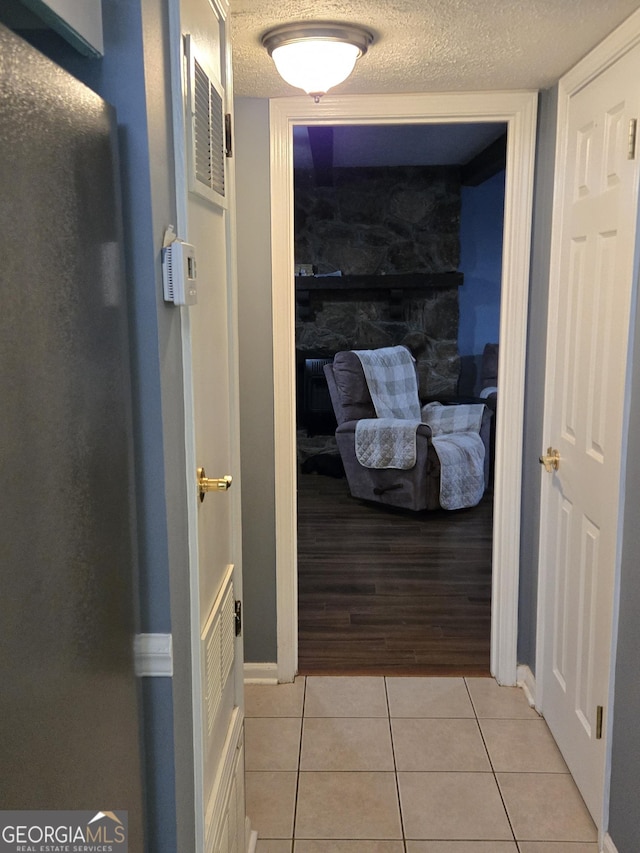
(179, 273)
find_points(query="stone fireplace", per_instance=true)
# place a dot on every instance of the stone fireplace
(384, 247)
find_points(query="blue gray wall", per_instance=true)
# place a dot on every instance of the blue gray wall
(534, 376)
(624, 818)
(256, 378)
(133, 76)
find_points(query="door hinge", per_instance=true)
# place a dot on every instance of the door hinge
(238, 617)
(599, 718)
(631, 148)
(228, 136)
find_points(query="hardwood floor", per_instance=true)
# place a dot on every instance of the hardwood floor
(388, 592)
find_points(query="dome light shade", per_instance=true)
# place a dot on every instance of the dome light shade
(316, 57)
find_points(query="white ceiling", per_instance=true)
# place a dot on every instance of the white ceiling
(434, 45)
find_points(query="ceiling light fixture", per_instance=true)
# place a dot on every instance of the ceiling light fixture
(317, 55)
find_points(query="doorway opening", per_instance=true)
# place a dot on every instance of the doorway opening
(398, 240)
(518, 111)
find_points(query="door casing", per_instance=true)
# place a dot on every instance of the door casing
(518, 110)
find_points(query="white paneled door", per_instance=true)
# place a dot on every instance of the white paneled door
(590, 300)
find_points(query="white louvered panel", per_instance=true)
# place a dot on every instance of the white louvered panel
(223, 729)
(241, 811)
(217, 141)
(227, 635)
(226, 819)
(213, 682)
(206, 129)
(210, 838)
(218, 653)
(223, 842)
(202, 125)
(232, 822)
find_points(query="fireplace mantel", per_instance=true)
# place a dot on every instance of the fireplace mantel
(396, 281)
(394, 287)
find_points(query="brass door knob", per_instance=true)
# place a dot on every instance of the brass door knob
(551, 460)
(214, 484)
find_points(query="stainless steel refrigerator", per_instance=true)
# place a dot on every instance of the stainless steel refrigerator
(69, 709)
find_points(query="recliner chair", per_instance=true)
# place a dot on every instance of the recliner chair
(417, 488)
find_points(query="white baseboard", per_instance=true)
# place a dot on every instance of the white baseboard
(261, 673)
(608, 846)
(527, 680)
(252, 837)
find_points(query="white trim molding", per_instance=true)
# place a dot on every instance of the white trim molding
(527, 681)
(252, 837)
(608, 846)
(518, 110)
(260, 673)
(78, 21)
(153, 655)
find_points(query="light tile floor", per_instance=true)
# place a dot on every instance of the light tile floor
(407, 765)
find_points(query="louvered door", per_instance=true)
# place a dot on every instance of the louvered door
(208, 327)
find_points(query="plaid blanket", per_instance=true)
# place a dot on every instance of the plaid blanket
(386, 442)
(447, 419)
(461, 456)
(454, 433)
(391, 379)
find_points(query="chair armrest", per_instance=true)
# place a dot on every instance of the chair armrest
(423, 430)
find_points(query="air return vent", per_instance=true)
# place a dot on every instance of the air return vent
(206, 129)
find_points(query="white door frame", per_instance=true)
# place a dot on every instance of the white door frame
(623, 39)
(518, 110)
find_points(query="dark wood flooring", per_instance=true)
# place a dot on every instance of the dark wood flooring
(388, 592)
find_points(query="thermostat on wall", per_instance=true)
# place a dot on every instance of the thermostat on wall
(179, 273)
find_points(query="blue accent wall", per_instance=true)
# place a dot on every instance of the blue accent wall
(481, 226)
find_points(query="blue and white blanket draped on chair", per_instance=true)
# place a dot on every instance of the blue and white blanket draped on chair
(389, 441)
(456, 439)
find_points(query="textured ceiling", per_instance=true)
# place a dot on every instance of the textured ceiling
(434, 45)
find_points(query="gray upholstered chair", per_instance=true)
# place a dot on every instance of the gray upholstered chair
(417, 488)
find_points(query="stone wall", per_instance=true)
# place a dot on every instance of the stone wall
(377, 221)
(383, 221)
(429, 326)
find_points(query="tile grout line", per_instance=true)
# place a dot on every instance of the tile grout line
(395, 766)
(295, 804)
(495, 778)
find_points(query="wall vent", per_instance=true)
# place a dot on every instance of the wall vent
(214, 685)
(206, 129)
(219, 653)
